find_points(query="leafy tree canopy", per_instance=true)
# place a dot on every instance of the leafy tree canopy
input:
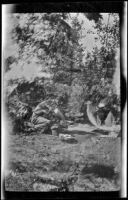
(61, 53)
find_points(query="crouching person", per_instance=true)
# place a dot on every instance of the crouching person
(40, 117)
(46, 114)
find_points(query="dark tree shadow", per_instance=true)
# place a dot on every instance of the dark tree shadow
(99, 170)
(101, 131)
(73, 132)
(72, 141)
(17, 166)
(80, 132)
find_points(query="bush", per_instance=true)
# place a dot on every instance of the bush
(76, 99)
(19, 113)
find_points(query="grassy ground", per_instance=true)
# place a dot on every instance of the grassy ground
(41, 162)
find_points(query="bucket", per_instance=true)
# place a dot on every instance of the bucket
(55, 132)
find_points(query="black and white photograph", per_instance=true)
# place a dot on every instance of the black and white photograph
(61, 102)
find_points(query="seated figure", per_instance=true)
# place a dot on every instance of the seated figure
(45, 114)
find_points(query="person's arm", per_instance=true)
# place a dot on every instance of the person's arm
(39, 112)
(42, 108)
(44, 105)
(59, 114)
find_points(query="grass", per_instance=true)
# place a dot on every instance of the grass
(38, 161)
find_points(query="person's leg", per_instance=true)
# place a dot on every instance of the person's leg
(42, 124)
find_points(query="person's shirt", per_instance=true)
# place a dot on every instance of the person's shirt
(42, 108)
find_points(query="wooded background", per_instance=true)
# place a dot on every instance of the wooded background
(70, 56)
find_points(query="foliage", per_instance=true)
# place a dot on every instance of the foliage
(19, 113)
(100, 64)
(8, 61)
(76, 98)
(93, 16)
(109, 35)
(53, 42)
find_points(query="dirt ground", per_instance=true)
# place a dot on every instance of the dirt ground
(40, 162)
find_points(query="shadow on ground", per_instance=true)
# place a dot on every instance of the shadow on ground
(101, 132)
(79, 132)
(99, 170)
